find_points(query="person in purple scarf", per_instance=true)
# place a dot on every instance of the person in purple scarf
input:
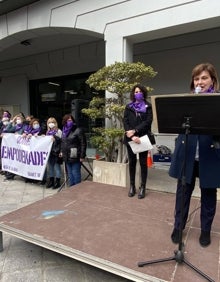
(203, 162)
(34, 129)
(5, 120)
(138, 118)
(73, 148)
(54, 161)
(16, 126)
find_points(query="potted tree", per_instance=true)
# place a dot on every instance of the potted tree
(117, 80)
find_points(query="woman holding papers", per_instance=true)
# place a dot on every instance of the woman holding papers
(138, 117)
(203, 161)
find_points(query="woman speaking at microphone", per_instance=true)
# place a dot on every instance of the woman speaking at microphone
(203, 161)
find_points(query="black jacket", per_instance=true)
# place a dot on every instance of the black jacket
(55, 150)
(141, 122)
(74, 142)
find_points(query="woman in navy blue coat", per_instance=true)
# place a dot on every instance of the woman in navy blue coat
(203, 161)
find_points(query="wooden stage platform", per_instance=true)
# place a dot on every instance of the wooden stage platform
(100, 225)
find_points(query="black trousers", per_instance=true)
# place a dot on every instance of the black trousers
(132, 159)
(208, 202)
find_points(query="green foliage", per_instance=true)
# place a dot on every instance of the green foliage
(117, 79)
(120, 77)
(107, 140)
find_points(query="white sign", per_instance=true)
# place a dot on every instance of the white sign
(25, 156)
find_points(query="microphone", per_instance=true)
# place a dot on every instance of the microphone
(198, 89)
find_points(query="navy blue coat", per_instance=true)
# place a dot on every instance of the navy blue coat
(209, 160)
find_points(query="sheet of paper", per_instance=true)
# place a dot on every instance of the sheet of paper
(145, 145)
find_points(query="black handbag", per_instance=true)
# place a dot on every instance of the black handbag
(152, 138)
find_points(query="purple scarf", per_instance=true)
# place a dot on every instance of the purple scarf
(52, 132)
(139, 107)
(34, 131)
(67, 128)
(18, 127)
(210, 90)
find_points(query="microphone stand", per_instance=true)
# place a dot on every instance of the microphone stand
(179, 254)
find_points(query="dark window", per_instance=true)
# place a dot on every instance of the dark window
(58, 96)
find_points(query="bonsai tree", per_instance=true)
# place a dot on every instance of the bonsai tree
(117, 80)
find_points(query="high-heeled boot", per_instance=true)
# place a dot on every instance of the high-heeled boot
(132, 191)
(141, 194)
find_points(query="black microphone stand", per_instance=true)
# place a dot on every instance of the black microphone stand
(179, 254)
(66, 178)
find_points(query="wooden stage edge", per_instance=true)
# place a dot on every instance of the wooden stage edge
(77, 255)
(10, 221)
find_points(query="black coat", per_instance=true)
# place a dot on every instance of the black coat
(55, 150)
(74, 142)
(141, 122)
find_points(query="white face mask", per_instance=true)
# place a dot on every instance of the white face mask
(36, 126)
(6, 122)
(51, 125)
(18, 121)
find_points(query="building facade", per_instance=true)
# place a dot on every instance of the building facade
(49, 47)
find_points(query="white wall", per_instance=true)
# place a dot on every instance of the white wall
(175, 57)
(121, 24)
(172, 62)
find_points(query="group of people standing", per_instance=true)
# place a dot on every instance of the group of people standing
(203, 156)
(67, 140)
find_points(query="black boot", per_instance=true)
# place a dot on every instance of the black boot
(57, 183)
(9, 176)
(205, 238)
(50, 183)
(141, 194)
(132, 191)
(43, 182)
(175, 236)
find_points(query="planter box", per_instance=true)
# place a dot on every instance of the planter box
(113, 173)
(110, 173)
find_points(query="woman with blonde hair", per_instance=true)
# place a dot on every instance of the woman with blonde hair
(54, 161)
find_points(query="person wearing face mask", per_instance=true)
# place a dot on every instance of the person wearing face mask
(138, 118)
(5, 116)
(5, 123)
(73, 148)
(3, 129)
(33, 129)
(16, 126)
(203, 162)
(54, 161)
(27, 121)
